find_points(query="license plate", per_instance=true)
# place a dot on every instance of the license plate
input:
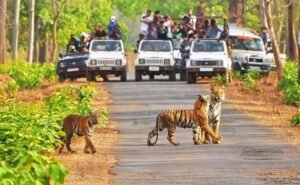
(105, 68)
(72, 69)
(254, 67)
(206, 69)
(153, 68)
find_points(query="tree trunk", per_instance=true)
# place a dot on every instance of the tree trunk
(278, 21)
(2, 31)
(236, 12)
(292, 43)
(31, 32)
(54, 39)
(36, 42)
(262, 10)
(279, 67)
(15, 38)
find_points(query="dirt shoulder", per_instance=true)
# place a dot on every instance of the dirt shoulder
(265, 105)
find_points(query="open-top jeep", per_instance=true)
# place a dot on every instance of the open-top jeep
(106, 57)
(208, 57)
(155, 57)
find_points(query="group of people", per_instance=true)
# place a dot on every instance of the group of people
(82, 44)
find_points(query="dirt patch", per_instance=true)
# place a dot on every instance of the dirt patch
(130, 59)
(279, 177)
(265, 105)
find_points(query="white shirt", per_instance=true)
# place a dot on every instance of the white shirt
(144, 26)
(169, 26)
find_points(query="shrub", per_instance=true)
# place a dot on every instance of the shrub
(295, 119)
(221, 80)
(250, 79)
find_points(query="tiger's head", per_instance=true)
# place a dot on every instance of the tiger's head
(217, 93)
(201, 102)
(93, 119)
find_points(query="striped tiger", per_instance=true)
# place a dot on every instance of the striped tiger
(214, 113)
(193, 118)
(82, 126)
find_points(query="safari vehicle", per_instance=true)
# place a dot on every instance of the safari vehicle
(208, 57)
(106, 57)
(249, 52)
(71, 65)
(155, 57)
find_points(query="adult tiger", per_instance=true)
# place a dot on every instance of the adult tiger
(172, 118)
(82, 126)
(214, 113)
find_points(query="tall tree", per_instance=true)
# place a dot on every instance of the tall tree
(15, 38)
(279, 67)
(57, 8)
(236, 12)
(262, 10)
(292, 43)
(2, 30)
(31, 32)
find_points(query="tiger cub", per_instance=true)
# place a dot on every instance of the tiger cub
(172, 118)
(217, 96)
(82, 126)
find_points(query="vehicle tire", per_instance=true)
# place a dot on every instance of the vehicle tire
(138, 76)
(124, 76)
(190, 78)
(73, 79)
(61, 78)
(105, 78)
(236, 67)
(151, 76)
(90, 76)
(172, 76)
(182, 75)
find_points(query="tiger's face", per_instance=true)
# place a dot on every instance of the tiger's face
(217, 93)
(201, 102)
(93, 119)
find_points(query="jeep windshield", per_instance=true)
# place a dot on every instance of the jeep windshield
(156, 46)
(209, 46)
(247, 43)
(106, 46)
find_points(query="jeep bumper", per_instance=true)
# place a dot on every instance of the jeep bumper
(208, 72)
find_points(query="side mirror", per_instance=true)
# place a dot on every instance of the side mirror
(135, 51)
(61, 55)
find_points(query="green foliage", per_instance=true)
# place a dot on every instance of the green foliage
(219, 79)
(250, 79)
(237, 75)
(29, 131)
(295, 119)
(289, 85)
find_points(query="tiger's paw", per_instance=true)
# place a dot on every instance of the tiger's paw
(173, 141)
(93, 151)
(86, 151)
(197, 142)
(219, 139)
(207, 141)
(216, 142)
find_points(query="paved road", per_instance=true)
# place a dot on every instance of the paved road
(248, 154)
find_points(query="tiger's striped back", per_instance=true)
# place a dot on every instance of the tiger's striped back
(182, 118)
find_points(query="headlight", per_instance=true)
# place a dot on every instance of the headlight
(118, 62)
(62, 64)
(193, 63)
(220, 63)
(93, 62)
(141, 61)
(167, 61)
(269, 60)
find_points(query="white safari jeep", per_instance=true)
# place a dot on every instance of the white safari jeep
(155, 57)
(106, 57)
(208, 57)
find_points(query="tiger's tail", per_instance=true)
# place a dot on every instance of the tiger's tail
(157, 131)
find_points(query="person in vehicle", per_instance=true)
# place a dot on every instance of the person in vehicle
(185, 47)
(225, 33)
(264, 35)
(113, 28)
(177, 33)
(151, 32)
(146, 19)
(162, 31)
(213, 31)
(141, 37)
(168, 24)
(74, 41)
(192, 19)
(99, 33)
(204, 27)
(157, 18)
(84, 42)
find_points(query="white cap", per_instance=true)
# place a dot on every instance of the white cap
(84, 35)
(113, 18)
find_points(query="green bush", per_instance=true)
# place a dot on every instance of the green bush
(289, 85)
(29, 131)
(221, 80)
(250, 79)
(295, 119)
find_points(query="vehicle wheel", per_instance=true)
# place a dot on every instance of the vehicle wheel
(124, 76)
(73, 79)
(182, 75)
(190, 78)
(172, 76)
(138, 76)
(90, 76)
(151, 76)
(236, 67)
(61, 78)
(105, 78)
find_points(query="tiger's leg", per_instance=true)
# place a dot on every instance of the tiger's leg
(210, 132)
(197, 135)
(216, 126)
(171, 130)
(68, 142)
(206, 137)
(89, 144)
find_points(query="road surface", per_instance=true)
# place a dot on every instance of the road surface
(249, 153)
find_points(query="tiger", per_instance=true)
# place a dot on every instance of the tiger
(82, 126)
(192, 118)
(217, 96)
